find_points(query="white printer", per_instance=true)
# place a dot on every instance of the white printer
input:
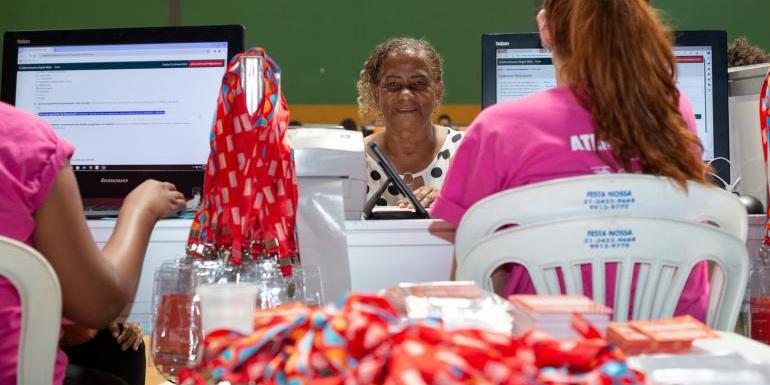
(331, 180)
(746, 155)
(333, 153)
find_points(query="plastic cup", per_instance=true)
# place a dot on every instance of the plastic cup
(312, 287)
(227, 306)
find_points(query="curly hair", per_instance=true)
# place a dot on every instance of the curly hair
(371, 73)
(742, 53)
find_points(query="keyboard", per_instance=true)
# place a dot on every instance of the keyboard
(101, 211)
(392, 212)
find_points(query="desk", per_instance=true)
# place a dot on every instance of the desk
(381, 254)
(167, 241)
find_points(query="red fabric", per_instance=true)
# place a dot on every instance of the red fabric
(364, 343)
(764, 124)
(250, 188)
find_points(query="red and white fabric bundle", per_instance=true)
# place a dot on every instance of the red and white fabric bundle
(250, 191)
(366, 342)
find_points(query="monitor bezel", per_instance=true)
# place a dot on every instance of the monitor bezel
(91, 187)
(716, 39)
(13, 40)
(490, 43)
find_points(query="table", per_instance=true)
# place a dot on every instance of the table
(381, 253)
(752, 351)
(728, 343)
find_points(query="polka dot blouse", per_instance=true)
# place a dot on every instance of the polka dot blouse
(433, 175)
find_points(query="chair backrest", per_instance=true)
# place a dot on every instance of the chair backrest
(666, 251)
(41, 312)
(600, 195)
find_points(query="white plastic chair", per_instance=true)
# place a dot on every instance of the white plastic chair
(665, 250)
(41, 305)
(600, 195)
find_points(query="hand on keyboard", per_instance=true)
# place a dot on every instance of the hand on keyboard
(159, 199)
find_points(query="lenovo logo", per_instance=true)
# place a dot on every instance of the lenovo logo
(22, 41)
(502, 43)
(114, 180)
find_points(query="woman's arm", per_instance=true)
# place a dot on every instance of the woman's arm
(95, 284)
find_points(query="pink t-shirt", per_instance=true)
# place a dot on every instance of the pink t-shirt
(31, 156)
(544, 136)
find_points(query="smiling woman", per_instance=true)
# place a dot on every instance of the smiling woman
(401, 84)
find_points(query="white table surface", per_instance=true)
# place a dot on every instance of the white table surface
(727, 343)
(752, 351)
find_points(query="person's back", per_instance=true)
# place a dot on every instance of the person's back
(30, 157)
(612, 112)
(540, 137)
(40, 206)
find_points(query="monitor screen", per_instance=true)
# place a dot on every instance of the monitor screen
(515, 65)
(136, 103)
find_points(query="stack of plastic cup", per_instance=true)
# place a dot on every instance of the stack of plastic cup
(227, 306)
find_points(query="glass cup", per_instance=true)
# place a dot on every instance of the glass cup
(309, 284)
(274, 289)
(176, 335)
(227, 306)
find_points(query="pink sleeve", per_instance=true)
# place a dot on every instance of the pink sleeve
(33, 157)
(57, 153)
(473, 174)
(685, 108)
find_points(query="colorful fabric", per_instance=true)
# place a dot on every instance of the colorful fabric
(364, 342)
(250, 190)
(31, 156)
(764, 124)
(764, 115)
(541, 137)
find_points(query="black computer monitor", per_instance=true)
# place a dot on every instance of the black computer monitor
(136, 103)
(516, 65)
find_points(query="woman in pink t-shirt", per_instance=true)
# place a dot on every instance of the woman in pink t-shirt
(40, 205)
(616, 109)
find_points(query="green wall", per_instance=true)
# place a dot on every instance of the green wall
(750, 18)
(51, 14)
(321, 45)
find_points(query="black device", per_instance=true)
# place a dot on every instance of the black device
(516, 65)
(391, 176)
(136, 103)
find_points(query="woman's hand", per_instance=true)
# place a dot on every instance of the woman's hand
(159, 199)
(424, 194)
(130, 335)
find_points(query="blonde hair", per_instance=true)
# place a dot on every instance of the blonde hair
(371, 74)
